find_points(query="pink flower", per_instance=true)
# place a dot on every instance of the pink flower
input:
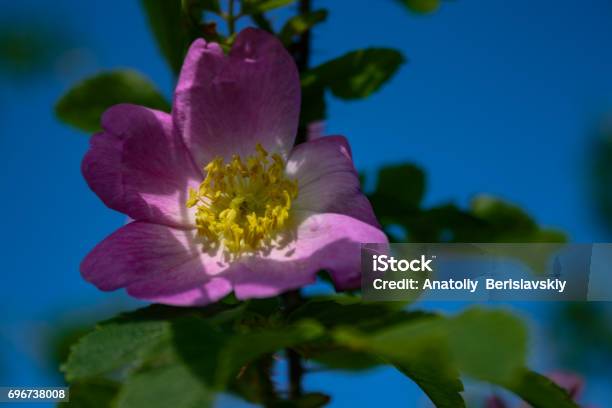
(220, 198)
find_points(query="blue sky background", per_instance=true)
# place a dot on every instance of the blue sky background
(498, 97)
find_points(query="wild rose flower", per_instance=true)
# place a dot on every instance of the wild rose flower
(220, 198)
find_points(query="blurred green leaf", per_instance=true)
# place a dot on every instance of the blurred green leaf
(93, 394)
(168, 386)
(397, 203)
(333, 311)
(540, 392)
(29, 48)
(356, 74)
(399, 188)
(419, 349)
(83, 105)
(584, 335)
(489, 345)
(421, 6)
(509, 223)
(301, 23)
(261, 6)
(431, 369)
(173, 29)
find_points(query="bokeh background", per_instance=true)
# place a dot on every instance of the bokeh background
(508, 98)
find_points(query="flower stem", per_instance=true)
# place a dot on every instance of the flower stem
(231, 19)
(303, 46)
(301, 55)
(292, 300)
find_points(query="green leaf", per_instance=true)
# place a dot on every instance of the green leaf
(356, 74)
(301, 23)
(338, 311)
(169, 386)
(342, 310)
(171, 28)
(261, 6)
(216, 356)
(83, 105)
(114, 346)
(509, 223)
(399, 188)
(254, 382)
(421, 6)
(29, 48)
(91, 394)
(540, 391)
(438, 379)
(489, 345)
(397, 202)
(419, 349)
(201, 350)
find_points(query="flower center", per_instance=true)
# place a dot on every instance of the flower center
(243, 203)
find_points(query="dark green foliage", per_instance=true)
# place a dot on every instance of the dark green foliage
(261, 6)
(540, 391)
(98, 393)
(29, 48)
(299, 24)
(355, 75)
(397, 202)
(160, 354)
(83, 105)
(421, 6)
(175, 24)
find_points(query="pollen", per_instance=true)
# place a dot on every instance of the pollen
(243, 204)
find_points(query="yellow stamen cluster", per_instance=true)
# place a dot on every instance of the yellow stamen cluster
(242, 204)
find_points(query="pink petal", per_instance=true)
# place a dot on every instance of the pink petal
(571, 382)
(139, 167)
(158, 263)
(327, 179)
(321, 241)
(495, 402)
(225, 105)
(210, 291)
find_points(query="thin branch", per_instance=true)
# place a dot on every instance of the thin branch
(292, 300)
(231, 18)
(301, 55)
